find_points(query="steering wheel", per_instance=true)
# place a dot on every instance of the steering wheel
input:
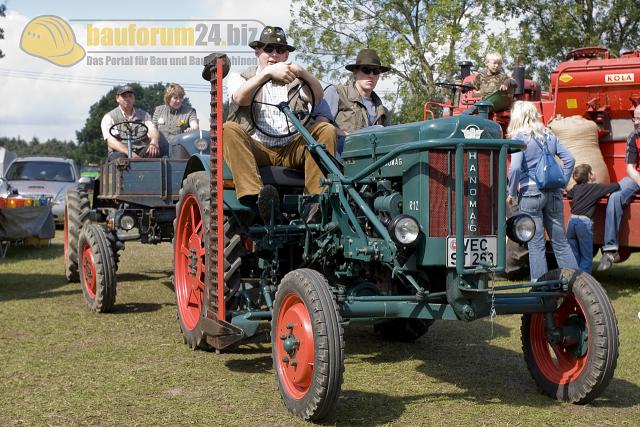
(455, 86)
(274, 109)
(129, 130)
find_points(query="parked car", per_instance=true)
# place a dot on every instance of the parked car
(49, 176)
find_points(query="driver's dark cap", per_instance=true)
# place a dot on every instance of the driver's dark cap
(124, 89)
(272, 35)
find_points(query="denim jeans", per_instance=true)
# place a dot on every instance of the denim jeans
(547, 212)
(618, 200)
(580, 237)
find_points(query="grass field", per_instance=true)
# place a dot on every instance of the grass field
(62, 365)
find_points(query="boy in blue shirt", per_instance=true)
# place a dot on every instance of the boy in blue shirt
(584, 196)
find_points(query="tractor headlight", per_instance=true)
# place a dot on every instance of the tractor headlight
(127, 222)
(404, 230)
(521, 228)
(201, 144)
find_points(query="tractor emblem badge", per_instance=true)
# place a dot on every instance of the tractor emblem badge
(472, 132)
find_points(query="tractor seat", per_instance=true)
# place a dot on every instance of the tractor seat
(282, 177)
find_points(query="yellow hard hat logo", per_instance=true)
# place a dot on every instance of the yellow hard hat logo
(51, 38)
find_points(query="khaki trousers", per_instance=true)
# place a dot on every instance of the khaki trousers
(244, 155)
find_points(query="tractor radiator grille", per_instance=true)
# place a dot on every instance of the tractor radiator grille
(442, 204)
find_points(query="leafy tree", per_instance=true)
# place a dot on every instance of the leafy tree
(549, 29)
(92, 145)
(3, 10)
(50, 147)
(421, 39)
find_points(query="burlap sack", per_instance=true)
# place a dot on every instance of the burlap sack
(580, 136)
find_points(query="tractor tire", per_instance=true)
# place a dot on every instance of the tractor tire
(196, 298)
(578, 371)
(307, 344)
(403, 330)
(97, 269)
(76, 215)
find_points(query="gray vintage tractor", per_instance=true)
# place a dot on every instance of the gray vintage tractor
(133, 199)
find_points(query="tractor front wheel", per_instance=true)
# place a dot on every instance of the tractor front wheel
(577, 364)
(97, 269)
(76, 214)
(307, 344)
(196, 298)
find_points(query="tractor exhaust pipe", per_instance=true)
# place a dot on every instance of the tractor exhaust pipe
(465, 69)
(518, 75)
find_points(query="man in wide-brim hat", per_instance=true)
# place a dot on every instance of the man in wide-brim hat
(245, 147)
(355, 106)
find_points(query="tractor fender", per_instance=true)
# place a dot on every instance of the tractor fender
(200, 162)
(196, 163)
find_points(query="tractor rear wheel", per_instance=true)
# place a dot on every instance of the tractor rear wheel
(196, 298)
(578, 368)
(307, 344)
(76, 214)
(97, 269)
(403, 330)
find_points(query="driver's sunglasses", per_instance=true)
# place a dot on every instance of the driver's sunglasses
(369, 70)
(268, 48)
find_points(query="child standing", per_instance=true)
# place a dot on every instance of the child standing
(584, 196)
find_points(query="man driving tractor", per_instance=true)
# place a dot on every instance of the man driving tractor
(267, 138)
(145, 146)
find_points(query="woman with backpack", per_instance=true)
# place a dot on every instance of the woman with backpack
(536, 183)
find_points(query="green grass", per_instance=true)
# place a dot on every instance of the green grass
(62, 365)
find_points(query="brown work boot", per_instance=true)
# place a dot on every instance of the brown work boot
(268, 204)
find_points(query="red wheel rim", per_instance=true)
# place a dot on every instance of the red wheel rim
(89, 271)
(555, 361)
(190, 267)
(294, 346)
(66, 238)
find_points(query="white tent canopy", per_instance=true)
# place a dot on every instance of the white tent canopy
(6, 157)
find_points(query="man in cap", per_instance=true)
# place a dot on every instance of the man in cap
(355, 106)
(148, 147)
(245, 147)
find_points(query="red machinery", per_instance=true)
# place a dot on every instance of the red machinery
(598, 87)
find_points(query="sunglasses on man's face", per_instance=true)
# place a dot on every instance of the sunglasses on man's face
(369, 70)
(268, 48)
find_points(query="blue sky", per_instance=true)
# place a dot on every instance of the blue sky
(45, 100)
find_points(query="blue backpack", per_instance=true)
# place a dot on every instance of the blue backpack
(548, 175)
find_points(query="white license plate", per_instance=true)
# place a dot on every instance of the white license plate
(476, 250)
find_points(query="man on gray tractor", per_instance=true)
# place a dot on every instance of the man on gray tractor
(128, 121)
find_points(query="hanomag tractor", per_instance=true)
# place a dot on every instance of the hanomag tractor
(411, 228)
(133, 199)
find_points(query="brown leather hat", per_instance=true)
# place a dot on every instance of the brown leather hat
(367, 58)
(272, 35)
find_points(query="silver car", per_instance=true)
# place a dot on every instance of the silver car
(48, 176)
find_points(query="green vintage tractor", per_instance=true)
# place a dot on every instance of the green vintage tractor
(411, 229)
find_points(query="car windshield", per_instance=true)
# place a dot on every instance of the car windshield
(40, 171)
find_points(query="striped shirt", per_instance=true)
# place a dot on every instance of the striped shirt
(268, 117)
